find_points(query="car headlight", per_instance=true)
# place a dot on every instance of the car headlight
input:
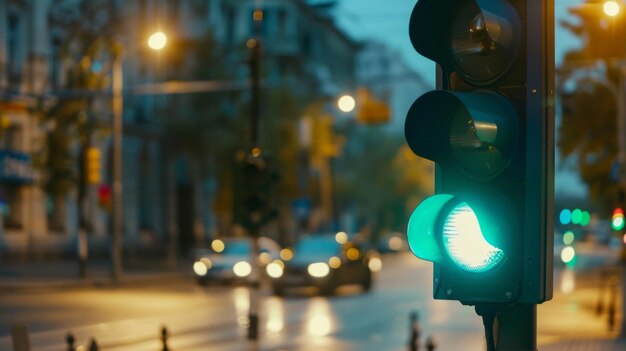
(334, 262)
(200, 268)
(395, 243)
(375, 264)
(274, 270)
(242, 269)
(318, 269)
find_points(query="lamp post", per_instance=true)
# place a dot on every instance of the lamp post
(157, 41)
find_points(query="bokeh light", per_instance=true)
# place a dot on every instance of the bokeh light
(568, 237)
(611, 8)
(577, 216)
(346, 103)
(565, 216)
(157, 41)
(568, 254)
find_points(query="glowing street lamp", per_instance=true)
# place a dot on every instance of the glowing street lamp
(346, 103)
(611, 8)
(157, 41)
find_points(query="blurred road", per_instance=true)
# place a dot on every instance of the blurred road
(201, 318)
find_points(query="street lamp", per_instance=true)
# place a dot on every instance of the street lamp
(611, 8)
(156, 41)
(346, 103)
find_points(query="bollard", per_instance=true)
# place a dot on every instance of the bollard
(414, 340)
(93, 345)
(164, 335)
(612, 302)
(430, 343)
(19, 336)
(600, 302)
(69, 338)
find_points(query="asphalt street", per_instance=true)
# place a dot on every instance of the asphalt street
(215, 317)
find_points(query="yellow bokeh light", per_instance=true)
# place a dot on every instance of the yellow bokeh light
(353, 254)
(217, 245)
(375, 264)
(611, 8)
(334, 262)
(286, 254)
(157, 41)
(274, 270)
(265, 258)
(346, 103)
(341, 237)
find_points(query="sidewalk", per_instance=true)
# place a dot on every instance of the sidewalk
(19, 277)
(587, 345)
(569, 322)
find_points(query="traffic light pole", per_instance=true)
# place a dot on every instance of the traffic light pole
(516, 328)
(255, 111)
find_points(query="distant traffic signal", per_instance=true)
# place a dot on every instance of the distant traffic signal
(489, 127)
(93, 164)
(617, 220)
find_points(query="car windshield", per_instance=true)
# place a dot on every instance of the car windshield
(321, 246)
(236, 248)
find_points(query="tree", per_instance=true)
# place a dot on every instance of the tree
(86, 44)
(588, 81)
(381, 178)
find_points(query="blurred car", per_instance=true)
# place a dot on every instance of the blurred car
(392, 242)
(325, 262)
(229, 259)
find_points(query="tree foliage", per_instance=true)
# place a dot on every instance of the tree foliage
(85, 30)
(381, 178)
(588, 81)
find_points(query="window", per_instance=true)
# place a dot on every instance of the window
(229, 15)
(10, 198)
(13, 49)
(55, 211)
(282, 22)
(55, 62)
(10, 138)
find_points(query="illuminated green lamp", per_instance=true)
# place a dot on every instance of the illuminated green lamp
(443, 226)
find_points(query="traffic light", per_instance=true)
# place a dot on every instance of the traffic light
(489, 128)
(617, 220)
(259, 180)
(93, 165)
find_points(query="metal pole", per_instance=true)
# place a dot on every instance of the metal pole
(516, 328)
(118, 110)
(621, 154)
(255, 111)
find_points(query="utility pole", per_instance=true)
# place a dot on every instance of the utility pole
(118, 110)
(254, 45)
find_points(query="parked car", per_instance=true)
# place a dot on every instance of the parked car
(230, 259)
(325, 262)
(392, 242)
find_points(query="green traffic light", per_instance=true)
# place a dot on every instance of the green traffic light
(459, 230)
(585, 219)
(577, 216)
(618, 222)
(465, 242)
(568, 237)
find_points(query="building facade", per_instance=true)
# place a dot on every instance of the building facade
(169, 201)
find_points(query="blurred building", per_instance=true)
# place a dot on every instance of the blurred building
(167, 200)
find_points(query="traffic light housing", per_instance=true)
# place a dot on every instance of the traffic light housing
(259, 180)
(489, 127)
(93, 165)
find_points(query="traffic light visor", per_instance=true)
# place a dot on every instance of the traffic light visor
(479, 39)
(442, 225)
(476, 132)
